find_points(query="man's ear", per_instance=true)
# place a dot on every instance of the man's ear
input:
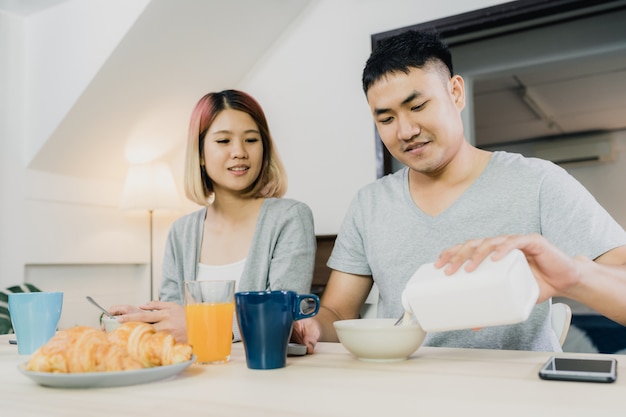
(457, 90)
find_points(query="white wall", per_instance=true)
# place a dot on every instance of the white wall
(310, 85)
(11, 170)
(63, 54)
(58, 232)
(605, 181)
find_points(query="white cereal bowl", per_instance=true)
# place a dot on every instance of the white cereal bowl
(378, 340)
(109, 323)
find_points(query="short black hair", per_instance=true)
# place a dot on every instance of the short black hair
(400, 53)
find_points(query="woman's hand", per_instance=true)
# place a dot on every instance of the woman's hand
(165, 316)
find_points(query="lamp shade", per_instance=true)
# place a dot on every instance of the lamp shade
(149, 187)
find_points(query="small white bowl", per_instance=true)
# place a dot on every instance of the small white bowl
(378, 340)
(110, 324)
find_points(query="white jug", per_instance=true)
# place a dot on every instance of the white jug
(495, 293)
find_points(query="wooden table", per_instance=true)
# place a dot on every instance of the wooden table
(433, 382)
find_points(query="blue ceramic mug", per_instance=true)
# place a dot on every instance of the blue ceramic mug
(265, 321)
(35, 317)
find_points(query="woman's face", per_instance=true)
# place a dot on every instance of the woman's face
(233, 151)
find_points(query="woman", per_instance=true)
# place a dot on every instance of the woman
(244, 231)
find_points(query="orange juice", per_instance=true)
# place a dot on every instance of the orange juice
(209, 330)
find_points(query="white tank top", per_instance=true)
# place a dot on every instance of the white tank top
(219, 272)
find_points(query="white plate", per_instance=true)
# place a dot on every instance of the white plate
(105, 379)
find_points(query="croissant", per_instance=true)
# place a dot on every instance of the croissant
(131, 346)
(81, 349)
(149, 347)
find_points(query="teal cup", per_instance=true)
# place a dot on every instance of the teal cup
(35, 317)
(265, 321)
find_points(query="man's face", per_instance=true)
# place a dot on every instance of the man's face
(418, 116)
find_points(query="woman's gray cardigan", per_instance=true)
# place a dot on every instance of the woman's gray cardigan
(281, 255)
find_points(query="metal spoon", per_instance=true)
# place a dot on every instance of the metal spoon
(404, 317)
(106, 313)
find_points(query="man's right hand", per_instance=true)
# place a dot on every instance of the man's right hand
(307, 332)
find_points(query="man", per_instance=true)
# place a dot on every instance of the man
(455, 203)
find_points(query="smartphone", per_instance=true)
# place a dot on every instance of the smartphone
(580, 369)
(295, 349)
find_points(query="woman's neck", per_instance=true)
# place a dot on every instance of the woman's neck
(234, 209)
(229, 226)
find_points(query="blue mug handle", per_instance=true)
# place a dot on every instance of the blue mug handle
(299, 314)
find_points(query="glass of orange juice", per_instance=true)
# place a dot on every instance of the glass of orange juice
(209, 310)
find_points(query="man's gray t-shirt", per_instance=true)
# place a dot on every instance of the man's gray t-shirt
(385, 235)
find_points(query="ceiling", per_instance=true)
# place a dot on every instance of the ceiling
(562, 97)
(141, 97)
